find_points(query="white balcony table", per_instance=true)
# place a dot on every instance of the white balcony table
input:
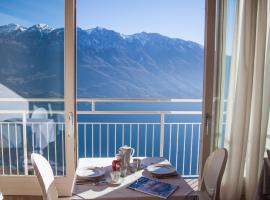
(107, 192)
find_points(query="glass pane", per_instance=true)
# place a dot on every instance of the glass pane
(140, 49)
(140, 67)
(31, 84)
(226, 66)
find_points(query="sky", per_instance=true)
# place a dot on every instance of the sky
(174, 18)
(230, 25)
(30, 12)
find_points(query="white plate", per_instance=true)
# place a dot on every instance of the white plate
(120, 180)
(161, 169)
(90, 172)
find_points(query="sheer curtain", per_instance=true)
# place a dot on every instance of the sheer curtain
(248, 100)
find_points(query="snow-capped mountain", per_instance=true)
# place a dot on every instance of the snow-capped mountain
(109, 64)
(41, 27)
(11, 28)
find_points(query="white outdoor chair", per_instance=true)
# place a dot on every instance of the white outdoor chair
(45, 177)
(212, 175)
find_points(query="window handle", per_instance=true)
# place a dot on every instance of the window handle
(207, 122)
(71, 123)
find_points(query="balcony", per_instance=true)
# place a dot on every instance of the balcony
(153, 127)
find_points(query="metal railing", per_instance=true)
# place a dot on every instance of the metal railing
(20, 139)
(178, 141)
(104, 139)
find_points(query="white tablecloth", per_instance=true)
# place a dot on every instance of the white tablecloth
(104, 191)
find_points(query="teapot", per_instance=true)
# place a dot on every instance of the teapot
(126, 152)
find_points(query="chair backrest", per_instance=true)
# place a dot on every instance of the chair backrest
(39, 113)
(45, 176)
(213, 172)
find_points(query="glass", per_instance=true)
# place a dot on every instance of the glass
(115, 176)
(137, 163)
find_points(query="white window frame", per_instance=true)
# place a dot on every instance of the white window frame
(210, 71)
(28, 185)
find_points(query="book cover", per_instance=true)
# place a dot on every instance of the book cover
(153, 187)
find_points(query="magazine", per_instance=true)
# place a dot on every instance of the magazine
(153, 187)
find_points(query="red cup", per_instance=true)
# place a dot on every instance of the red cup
(115, 164)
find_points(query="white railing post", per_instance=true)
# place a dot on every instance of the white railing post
(162, 120)
(24, 120)
(93, 106)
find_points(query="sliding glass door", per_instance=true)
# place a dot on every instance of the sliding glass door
(36, 92)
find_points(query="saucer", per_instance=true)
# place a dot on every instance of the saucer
(161, 169)
(90, 172)
(119, 182)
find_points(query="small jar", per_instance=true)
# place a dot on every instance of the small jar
(116, 163)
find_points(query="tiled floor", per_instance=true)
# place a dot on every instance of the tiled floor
(193, 183)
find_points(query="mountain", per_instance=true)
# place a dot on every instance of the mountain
(109, 64)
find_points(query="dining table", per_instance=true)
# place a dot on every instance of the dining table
(104, 191)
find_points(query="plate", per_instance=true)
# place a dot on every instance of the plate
(90, 172)
(161, 169)
(120, 180)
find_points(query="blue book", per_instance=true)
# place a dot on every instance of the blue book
(153, 187)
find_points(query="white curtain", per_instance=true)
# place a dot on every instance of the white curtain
(248, 100)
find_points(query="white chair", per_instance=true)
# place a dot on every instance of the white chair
(45, 177)
(212, 175)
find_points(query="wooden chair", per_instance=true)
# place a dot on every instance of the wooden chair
(212, 175)
(45, 177)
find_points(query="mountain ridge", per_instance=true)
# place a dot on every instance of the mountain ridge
(109, 64)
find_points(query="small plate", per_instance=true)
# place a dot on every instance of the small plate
(119, 182)
(161, 169)
(90, 172)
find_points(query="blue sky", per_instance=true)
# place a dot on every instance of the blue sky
(230, 25)
(174, 18)
(29, 12)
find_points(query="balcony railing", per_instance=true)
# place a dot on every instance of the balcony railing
(103, 126)
(23, 138)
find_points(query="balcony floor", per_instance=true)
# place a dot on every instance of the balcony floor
(193, 183)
